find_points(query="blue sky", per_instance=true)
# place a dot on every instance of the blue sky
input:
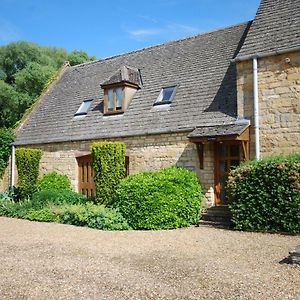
(106, 28)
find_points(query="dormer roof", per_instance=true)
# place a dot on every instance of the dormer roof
(125, 74)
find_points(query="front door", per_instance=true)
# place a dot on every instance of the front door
(227, 155)
(86, 182)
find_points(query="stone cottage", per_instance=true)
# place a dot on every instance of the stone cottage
(205, 102)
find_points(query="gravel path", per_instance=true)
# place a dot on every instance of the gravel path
(54, 261)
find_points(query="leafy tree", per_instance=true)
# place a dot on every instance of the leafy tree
(33, 78)
(6, 138)
(15, 56)
(25, 68)
(78, 57)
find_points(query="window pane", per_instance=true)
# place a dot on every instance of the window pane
(110, 104)
(84, 107)
(118, 92)
(167, 93)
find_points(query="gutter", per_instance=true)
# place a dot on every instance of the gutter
(265, 54)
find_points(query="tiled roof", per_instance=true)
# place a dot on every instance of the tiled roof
(200, 66)
(276, 27)
(219, 130)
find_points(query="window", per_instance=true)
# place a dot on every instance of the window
(84, 107)
(166, 95)
(113, 100)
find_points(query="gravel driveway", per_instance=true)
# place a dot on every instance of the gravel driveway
(54, 261)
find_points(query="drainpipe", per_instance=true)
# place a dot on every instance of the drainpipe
(12, 179)
(256, 109)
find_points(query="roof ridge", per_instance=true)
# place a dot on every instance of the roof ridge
(161, 45)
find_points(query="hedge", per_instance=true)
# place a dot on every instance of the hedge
(265, 194)
(108, 159)
(27, 161)
(163, 199)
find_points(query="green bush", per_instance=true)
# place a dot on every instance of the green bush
(109, 166)
(265, 194)
(42, 215)
(6, 138)
(56, 197)
(94, 216)
(27, 161)
(53, 181)
(164, 199)
(14, 209)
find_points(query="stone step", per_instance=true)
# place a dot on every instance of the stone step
(217, 215)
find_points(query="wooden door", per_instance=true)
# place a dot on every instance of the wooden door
(86, 184)
(227, 155)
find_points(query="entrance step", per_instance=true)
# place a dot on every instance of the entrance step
(216, 216)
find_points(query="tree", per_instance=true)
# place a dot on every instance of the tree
(78, 57)
(33, 78)
(12, 104)
(15, 56)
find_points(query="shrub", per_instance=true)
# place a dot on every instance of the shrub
(6, 138)
(14, 209)
(164, 199)
(265, 194)
(56, 197)
(53, 181)
(94, 216)
(45, 214)
(27, 161)
(109, 166)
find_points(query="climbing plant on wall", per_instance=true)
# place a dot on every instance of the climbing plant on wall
(109, 166)
(27, 161)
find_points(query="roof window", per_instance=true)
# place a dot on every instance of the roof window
(166, 95)
(84, 107)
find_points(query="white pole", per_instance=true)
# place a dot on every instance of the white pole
(256, 109)
(12, 179)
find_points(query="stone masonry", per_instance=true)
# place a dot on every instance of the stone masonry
(145, 153)
(279, 102)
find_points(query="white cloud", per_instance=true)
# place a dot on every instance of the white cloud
(138, 33)
(170, 30)
(8, 32)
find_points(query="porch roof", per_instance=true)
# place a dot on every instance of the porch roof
(207, 133)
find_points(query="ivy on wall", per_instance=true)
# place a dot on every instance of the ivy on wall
(27, 162)
(109, 167)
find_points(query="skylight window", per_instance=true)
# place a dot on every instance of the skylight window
(84, 107)
(166, 95)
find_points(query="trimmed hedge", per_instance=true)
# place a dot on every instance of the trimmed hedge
(265, 194)
(6, 138)
(53, 181)
(164, 199)
(27, 161)
(109, 166)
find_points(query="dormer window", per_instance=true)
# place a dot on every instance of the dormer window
(166, 95)
(113, 100)
(119, 89)
(84, 107)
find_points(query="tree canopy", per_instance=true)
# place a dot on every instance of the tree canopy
(25, 69)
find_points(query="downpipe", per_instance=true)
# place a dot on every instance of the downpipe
(256, 109)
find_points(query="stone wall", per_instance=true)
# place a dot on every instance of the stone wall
(279, 102)
(145, 153)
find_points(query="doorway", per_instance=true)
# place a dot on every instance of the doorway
(227, 155)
